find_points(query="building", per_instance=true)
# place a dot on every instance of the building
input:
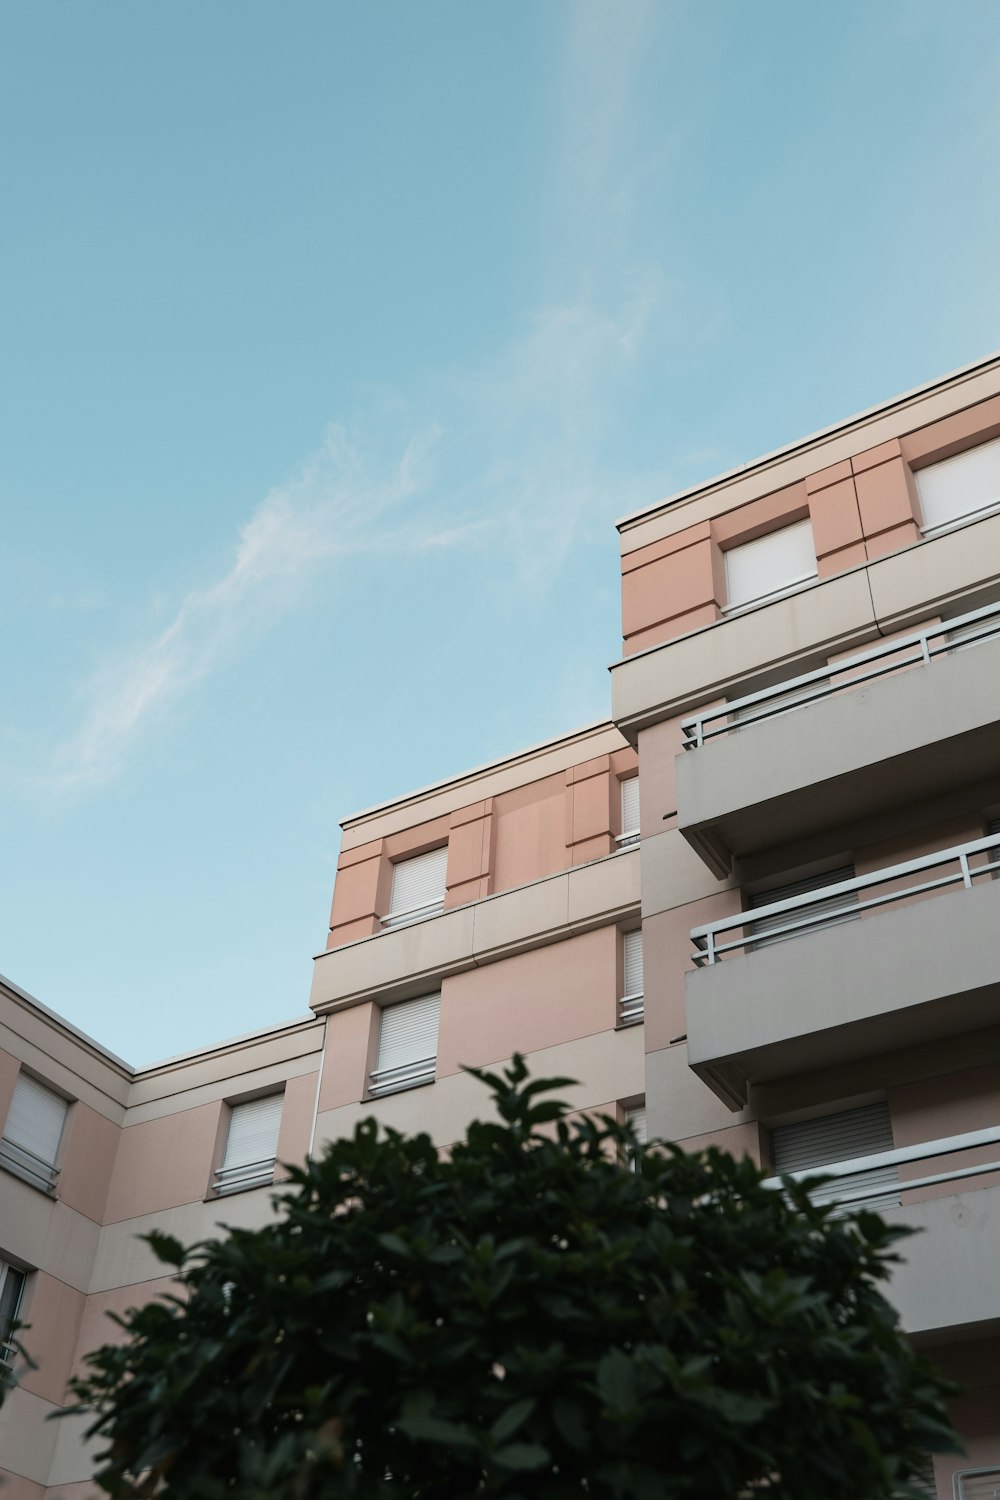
(790, 825)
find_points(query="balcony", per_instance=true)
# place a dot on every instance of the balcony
(886, 961)
(950, 1189)
(893, 725)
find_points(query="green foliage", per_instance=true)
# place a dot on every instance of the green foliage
(523, 1318)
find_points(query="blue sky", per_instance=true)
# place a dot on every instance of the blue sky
(333, 339)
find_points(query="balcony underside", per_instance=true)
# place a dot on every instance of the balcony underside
(868, 751)
(875, 986)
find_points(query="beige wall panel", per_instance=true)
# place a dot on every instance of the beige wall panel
(27, 1438)
(296, 1119)
(54, 1311)
(163, 1163)
(16, 1488)
(678, 1105)
(60, 1062)
(530, 828)
(738, 1140)
(681, 675)
(349, 1040)
(958, 1232)
(490, 781)
(605, 888)
(85, 1490)
(45, 1233)
(519, 919)
(9, 1068)
(73, 1458)
(772, 472)
(399, 961)
(674, 875)
(666, 941)
(658, 748)
(529, 1002)
(268, 1052)
(909, 585)
(122, 1258)
(87, 1158)
(234, 1084)
(608, 1066)
(96, 1326)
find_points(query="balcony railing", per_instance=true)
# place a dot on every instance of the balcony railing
(819, 908)
(28, 1165)
(785, 697)
(857, 1194)
(248, 1174)
(413, 914)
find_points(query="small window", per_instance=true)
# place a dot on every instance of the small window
(961, 487)
(817, 913)
(636, 1117)
(30, 1144)
(407, 1045)
(770, 565)
(631, 1006)
(251, 1145)
(630, 812)
(820, 1142)
(11, 1291)
(418, 887)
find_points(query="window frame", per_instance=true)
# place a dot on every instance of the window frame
(45, 1177)
(791, 586)
(7, 1268)
(416, 1072)
(406, 916)
(225, 1182)
(629, 837)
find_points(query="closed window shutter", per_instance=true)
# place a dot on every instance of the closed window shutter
(33, 1131)
(831, 1138)
(844, 902)
(770, 564)
(252, 1144)
(11, 1287)
(418, 886)
(630, 810)
(407, 1045)
(961, 486)
(631, 1006)
(637, 1119)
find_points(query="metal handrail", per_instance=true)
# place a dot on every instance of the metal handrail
(934, 641)
(708, 949)
(631, 1008)
(969, 1140)
(402, 1076)
(245, 1175)
(960, 1475)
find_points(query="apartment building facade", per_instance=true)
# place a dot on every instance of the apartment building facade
(757, 907)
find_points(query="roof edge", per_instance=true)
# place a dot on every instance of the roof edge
(727, 476)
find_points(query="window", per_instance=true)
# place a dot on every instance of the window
(407, 1045)
(770, 565)
(630, 812)
(33, 1131)
(251, 1145)
(11, 1290)
(636, 1117)
(417, 888)
(820, 1142)
(765, 931)
(631, 1006)
(960, 487)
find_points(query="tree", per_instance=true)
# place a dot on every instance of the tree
(524, 1317)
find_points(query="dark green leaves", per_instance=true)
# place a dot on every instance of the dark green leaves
(522, 1320)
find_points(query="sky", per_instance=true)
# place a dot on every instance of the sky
(333, 340)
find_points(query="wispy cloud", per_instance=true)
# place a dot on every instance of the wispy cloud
(508, 454)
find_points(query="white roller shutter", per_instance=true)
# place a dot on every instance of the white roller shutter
(33, 1131)
(961, 486)
(407, 1045)
(830, 1138)
(637, 1119)
(843, 903)
(630, 811)
(252, 1144)
(770, 564)
(418, 887)
(631, 1006)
